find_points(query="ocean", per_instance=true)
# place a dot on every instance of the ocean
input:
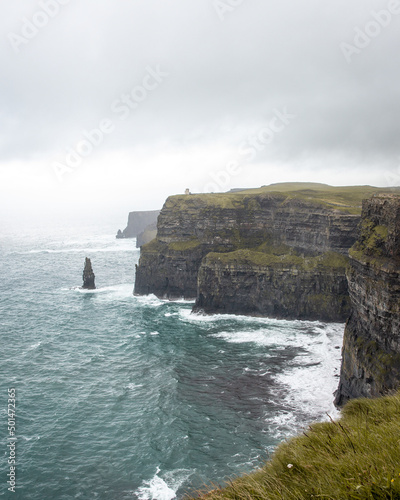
(124, 397)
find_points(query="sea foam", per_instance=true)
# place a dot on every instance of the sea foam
(159, 489)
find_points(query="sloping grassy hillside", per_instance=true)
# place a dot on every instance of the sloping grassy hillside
(344, 198)
(357, 457)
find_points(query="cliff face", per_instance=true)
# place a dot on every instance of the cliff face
(189, 227)
(371, 345)
(138, 222)
(247, 219)
(169, 271)
(289, 286)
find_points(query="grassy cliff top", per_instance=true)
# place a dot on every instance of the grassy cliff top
(245, 257)
(347, 199)
(356, 457)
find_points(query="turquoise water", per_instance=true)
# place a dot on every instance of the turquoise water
(122, 397)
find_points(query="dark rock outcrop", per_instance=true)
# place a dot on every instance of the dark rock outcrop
(88, 275)
(169, 271)
(280, 286)
(137, 223)
(371, 345)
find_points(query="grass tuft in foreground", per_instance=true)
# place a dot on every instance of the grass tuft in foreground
(356, 457)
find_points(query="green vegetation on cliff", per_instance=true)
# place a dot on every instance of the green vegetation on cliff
(181, 246)
(154, 246)
(378, 232)
(357, 457)
(372, 238)
(344, 198)
(347, 199)
(278, 258)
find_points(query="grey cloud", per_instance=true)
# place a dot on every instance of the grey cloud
(264, 55)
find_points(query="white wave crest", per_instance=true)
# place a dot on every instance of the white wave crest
(262, 337)
(182, 301)
(34, 346)
(307, 384)
(149, 300)
(158, 488)
(312, 379)
(187, 316)
(123, 290)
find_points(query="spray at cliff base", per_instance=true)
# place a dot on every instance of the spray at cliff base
(133, 397)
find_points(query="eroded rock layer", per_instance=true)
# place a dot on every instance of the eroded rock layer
(289, 286)
(191, 226)
(371, 345)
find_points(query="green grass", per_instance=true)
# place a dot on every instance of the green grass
(372, 238)
(181, 246)
(357, 457)
(344, 198)
(347, 199)
(154, 246)
(370, 246)
(277, 258)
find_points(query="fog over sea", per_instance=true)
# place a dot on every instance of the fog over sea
(124, 397)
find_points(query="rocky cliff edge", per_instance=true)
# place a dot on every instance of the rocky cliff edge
(371, 345)
(309, 219)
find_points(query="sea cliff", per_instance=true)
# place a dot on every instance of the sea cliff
(279, 251)
(141, 225)
(371, 345)
(287, 241)
(277, 285)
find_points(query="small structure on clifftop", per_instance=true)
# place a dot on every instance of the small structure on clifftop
(88, 275)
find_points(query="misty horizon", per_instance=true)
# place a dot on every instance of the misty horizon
(112, 109)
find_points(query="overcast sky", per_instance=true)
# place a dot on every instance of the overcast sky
(117, 104)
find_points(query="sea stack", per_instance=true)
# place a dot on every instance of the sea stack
(88, 275)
